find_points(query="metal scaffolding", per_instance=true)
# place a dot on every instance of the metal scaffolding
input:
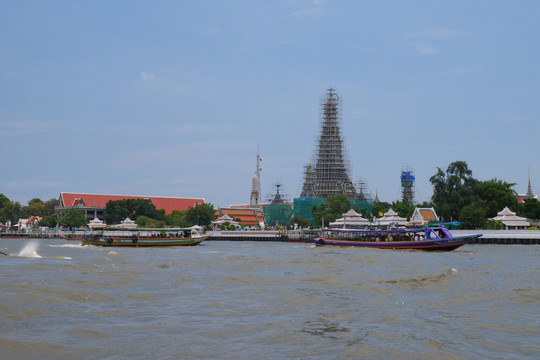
(330, 174)
(407, 184)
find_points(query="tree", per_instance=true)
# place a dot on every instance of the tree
(116, 211)
(300, 221)
(11, 212)
(473, 216)
(48, 221)
(497, 194)
(4, 201)
(50, 206)
(334, 207)
(530, 208)
(35, 207)
(453, 189)
(201, 214)
(494, 225)
(404, 208)
(146, 222)
(177, 219)
(379, 208)
(72, 218)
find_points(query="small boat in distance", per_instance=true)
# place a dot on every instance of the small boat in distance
(146, 237)
(437, 238)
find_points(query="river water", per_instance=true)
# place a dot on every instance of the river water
(250, 300)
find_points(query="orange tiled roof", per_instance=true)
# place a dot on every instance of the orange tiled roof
(427, 215)
(248, 217)
(101, 200)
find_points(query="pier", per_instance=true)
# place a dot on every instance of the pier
(502, 237)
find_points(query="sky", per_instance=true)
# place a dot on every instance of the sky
(175, 98)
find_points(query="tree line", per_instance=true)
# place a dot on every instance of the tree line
(457, 195)
(142, 211)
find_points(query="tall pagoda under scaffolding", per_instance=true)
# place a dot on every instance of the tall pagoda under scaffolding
(330, 173)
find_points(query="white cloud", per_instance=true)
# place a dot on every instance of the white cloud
(16, 128)
(458, 70)
(437, 33)
(35, 183)
(423, 49)
(147, 76)
(312, 8)
(202, 30)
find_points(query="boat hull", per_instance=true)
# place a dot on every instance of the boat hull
(428, 245)
(145, 242)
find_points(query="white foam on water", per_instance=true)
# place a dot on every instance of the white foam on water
(30, 250)
(76, 245)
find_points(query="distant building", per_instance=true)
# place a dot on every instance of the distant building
(390, 220)
(94, 204)
(224, 219)
(510, 221)
(423, 216)
(329, 174)
(350, 220)
(246, 216)
(529, 195)
(255, 197)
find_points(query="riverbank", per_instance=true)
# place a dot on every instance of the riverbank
(499, 237)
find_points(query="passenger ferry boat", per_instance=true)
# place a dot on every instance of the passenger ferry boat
(146, 237)
(433, 238)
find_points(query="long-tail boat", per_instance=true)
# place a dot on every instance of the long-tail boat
(432, 238)
(146, 237)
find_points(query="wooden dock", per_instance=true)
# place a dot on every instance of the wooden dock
(502, 237)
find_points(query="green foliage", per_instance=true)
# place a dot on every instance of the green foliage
(117, 211)
(48, 221)
(497, 194)
(177, 219)
(72, 218)
(404, 208)
(494, 225)
(11, 211)
(334, 208)
(201, 214)
(532, 228)
(379, 208)
(473, 216)
(453, 189)
(301, 221)
(530, 209)
(146, 222)
(227, 226)
(4, 201)
(457, 195)
(35, 207)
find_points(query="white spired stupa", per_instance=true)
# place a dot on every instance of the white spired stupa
(350, 220)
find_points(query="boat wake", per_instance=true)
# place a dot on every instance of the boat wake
(422, 280)
(78, 246)
(30, 250)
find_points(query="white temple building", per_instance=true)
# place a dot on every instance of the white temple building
(128, 224)
(350, 220)
(225, 218)
(511, 221)
(96, 223)
(391, 220)
(423, 216)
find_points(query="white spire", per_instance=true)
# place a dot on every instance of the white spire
(255, 198)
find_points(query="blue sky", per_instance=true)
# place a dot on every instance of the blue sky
(172, 98)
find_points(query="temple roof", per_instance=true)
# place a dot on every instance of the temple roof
(169, 204)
